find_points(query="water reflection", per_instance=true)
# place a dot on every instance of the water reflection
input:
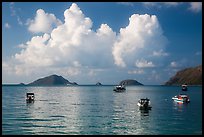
(97, 110)
(30, 101)
(144, 112)
(179, 106)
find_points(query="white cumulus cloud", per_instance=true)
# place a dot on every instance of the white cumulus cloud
(73, 47)
(144, 64)
(139, 38)
(43, 22)
(35, 52)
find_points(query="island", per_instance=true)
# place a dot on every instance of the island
(52, 80)
(189, 76)
(98, 84)
(130, 82)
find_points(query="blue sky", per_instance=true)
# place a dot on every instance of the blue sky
(87, 42)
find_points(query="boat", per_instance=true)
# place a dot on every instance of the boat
(119, 88)
(30, 97)
(184, 87)
(181, 98)
(144, 104)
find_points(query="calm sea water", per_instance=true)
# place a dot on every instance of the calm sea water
(100, 110)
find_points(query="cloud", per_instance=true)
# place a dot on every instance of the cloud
(12, 9)
(144, 64)
(72, 44)
(198, 53)
(154, 75)
(174, 64)
(161, 4)
(160, 53)
(36, 52)
(19, 21)
(139, 38)
(7, 25)
(195, 6)
(138, 71)
(73, 48)
(14, 13)
(43, 22)
(126, 3)
(171, 3)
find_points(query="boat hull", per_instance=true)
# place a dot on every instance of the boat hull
(29, 100)
(184, 89)
(119, 90)
(180, 100)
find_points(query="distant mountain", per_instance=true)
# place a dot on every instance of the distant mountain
(21, 84)
(190, 76)
(130, 82)
(51, 81)
(98, 84)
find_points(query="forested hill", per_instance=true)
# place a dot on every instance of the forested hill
(190, 76)
(51, 81)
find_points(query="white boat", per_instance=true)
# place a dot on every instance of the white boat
(119, 88)
(30, 97)
(184, 87)
(181, 98)
(144, 104)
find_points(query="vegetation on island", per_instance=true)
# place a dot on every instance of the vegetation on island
(130, 82)
(189, 76)
(53, 80)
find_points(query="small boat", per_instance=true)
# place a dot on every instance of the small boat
(184, 87)
(144, 104)
(181, 98)
(30, 97)
(119, 88)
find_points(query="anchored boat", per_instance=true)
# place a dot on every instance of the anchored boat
(119, 88)
(30, 97)
(184, 87)
(144, 104)
(181, 98)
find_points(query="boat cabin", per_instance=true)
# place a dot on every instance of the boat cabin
(184, 87)
(144, 103)
(119, 88)
(30, 96)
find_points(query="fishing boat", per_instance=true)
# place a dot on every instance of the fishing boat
(119, 88)
(181, 98)
(144, 104)
(184, 87)
(30, 97)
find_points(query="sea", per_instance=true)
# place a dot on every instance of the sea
(98, 110)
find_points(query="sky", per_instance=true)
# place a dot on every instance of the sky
(90, 42)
